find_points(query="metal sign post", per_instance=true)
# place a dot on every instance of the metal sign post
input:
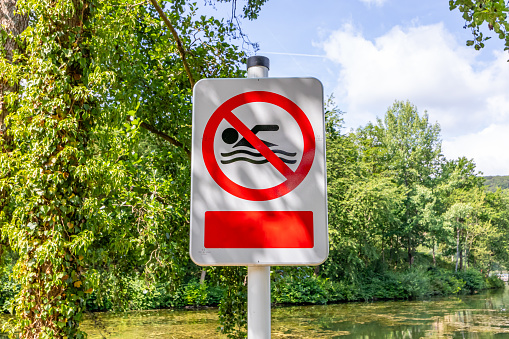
(258, 277)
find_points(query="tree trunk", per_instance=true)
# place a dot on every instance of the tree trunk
(383, 254)
(202, 276)
(467, 248)
(457, 247)
(14, 24)
(434, 258)
(461, 260)
(410, 253)
(460, 252)
(53, 289)
(317, 270)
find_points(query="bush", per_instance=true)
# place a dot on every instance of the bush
(134, 293)
(384, 285)
(8, 290)
(494, 282)
(409, 284)
(125, 293)
(474, 280)
(337, 291)
(196, 294)
(415, 283)
(444, 282)
(304, 290)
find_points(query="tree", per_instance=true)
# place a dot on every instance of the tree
(497, 208)
(97, 166)
(406, 148)
(362, 204)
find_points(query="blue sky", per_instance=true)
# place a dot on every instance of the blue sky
(369, 53)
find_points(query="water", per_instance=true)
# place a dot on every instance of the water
(480, 316)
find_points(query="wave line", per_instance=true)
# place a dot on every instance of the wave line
(256, 162)
(288, 154)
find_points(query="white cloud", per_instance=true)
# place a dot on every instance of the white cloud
(488, 148)
(426, 65)
(374, 2)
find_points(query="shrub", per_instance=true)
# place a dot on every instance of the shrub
(138, 294)
(474, 280)
(196, 294)
(304, 290)
(444, 282)
(339, 291)
(415, 283)
(387, 286)
(493, 282)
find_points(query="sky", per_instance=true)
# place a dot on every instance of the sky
(370, 53)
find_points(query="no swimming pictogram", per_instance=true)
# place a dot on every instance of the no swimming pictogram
(250, 138)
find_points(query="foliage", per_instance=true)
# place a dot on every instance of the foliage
(380, 189)
(393, 197)
(290, 287)
(233, 307)
(94, 169)
(493, 13)
(297, 286)
(474, 280)
(197, 294)
(251, 9)
(444, 282)
(142, 295)
(494, 282)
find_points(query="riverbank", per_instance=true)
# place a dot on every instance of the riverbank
(290, 286)
(305, 288)
(483, 315)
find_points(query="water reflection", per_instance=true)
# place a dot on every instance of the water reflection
(475, 317)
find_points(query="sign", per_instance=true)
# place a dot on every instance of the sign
(258, 188)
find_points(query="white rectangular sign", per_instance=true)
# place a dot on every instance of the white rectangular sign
(258, 185)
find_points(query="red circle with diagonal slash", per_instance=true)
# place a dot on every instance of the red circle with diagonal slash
(293, 178)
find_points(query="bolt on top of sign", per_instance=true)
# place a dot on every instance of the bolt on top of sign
(258, 187)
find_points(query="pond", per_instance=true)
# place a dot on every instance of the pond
(480, 316)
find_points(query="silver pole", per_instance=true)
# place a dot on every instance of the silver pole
(258, 277)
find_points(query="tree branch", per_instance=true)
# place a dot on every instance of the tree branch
(166, 137)
(180, 48)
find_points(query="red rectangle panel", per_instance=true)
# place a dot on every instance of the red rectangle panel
(259, 229)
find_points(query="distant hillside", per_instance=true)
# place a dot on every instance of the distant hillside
(493, 182)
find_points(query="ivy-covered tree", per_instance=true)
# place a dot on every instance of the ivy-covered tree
(94, 169)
